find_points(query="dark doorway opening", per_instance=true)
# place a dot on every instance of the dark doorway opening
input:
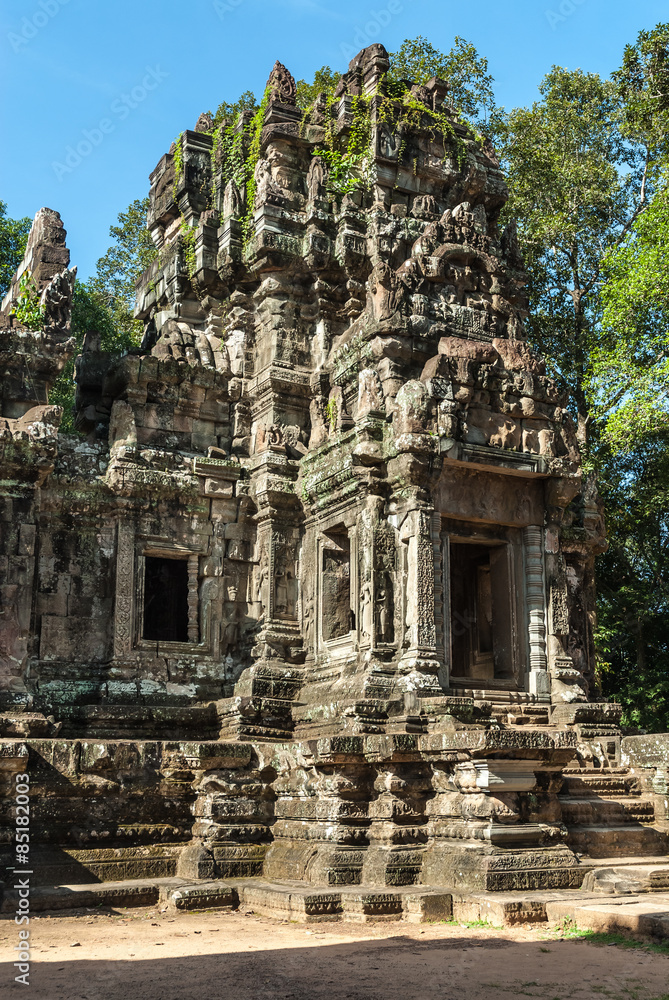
(481, 612)
(165, 599)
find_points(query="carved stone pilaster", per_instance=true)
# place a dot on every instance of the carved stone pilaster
(539, 682)
(421, 661)
(123, 603)
(193, 601)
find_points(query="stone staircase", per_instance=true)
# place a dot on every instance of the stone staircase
(609, 815)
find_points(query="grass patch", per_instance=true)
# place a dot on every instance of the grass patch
(568, 928)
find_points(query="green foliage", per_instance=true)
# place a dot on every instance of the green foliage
(570, 200)
(178, 162)
(13, 239)
(346, 166)
(568, 928)
(633, 578)
(331, 413)
(255, 132)
(27, 310)
(188, 246)
(325, 80)
(90, 312)
(229, 112)
(105, 302)
(470, 85)
(129, 255)
(643, 85)
(588, 193)
(633, 359)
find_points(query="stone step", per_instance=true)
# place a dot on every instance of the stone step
(645, 915)
(299, 902)
(646, 912)
(595, 811)
(617, 841)
(627, 879)
(604, 785)
(133, 892)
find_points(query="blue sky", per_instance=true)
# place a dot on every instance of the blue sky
(120, 79)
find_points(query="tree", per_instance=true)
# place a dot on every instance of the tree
(105, 302)
(13, 239)
(633, 579)
(227, 111)
(462, 68)
(131, 253)
(585, 171)
(571, 201)
(632, 361)
(325, 80)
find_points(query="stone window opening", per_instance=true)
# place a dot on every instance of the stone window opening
(481, 611)
(168, 604)
(165, 599)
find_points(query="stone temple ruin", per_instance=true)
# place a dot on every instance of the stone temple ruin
(309, 597)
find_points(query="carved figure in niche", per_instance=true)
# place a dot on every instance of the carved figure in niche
(282, 84)
(388, 144)
(233, 201)
(366, 617)
(275, 436)
(232, 583)
(263, 179)
(316, 180)
(263, 576)
(230, 633)
(308, 616)
(122, 430)
(268, 191)
(385, 590)
(285, 583)
(385, 292)
(319, 424)
(213, 564)
(336, 586)
(370, 393)
(294, 439)
(57, 301)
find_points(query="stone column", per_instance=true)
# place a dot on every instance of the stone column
(539, 681)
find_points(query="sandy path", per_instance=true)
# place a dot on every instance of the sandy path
(149, 955)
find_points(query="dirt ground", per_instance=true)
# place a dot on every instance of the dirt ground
(153, 955)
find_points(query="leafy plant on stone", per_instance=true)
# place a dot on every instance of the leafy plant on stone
(27, 310)
(13, 239)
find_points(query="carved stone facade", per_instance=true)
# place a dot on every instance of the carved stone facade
(333, 496)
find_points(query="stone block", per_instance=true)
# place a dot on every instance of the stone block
(203, 896)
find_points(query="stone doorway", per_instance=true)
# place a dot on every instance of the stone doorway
(481, 613)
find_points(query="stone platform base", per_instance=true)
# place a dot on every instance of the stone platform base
(640, 914)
